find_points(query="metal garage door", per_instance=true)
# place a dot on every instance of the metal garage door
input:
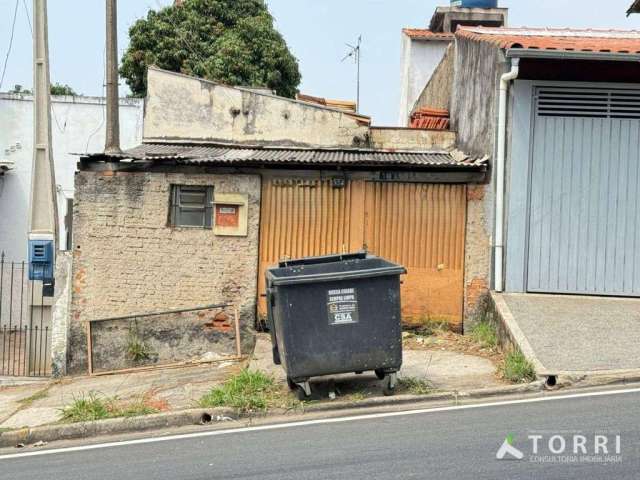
(584, 223)
(418, 225)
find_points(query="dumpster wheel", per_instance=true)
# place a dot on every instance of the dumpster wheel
(380, 373)
(293, 386)
(390, 384)
(303, 390)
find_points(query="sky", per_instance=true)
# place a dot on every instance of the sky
(315, 30)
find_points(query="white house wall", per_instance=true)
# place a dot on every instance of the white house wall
(78, 126)
(419, 59)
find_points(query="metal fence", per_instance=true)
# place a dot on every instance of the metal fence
(25, 322)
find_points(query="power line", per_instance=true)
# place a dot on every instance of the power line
(26, 10)
(13, 29)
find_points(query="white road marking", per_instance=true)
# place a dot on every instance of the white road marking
(321, 421)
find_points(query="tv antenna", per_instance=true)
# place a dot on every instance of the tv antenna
(354, 52)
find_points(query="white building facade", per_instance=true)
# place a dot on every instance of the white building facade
(78, 126)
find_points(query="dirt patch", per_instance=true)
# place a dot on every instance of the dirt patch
(451, 342)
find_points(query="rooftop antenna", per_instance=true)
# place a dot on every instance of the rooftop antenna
(354, 52)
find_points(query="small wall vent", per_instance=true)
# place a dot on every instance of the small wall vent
(588, 102)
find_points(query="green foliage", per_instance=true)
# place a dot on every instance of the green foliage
(27, 402)
(93, 407)
(484, 333)
(246, 392)
(228, 41)
(19, 89)
(60, 89)
(55, 89)
(137, 350)
(517, 369)
(415, 386)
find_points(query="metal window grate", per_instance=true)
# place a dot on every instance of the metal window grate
(588, 102)
(191, 206)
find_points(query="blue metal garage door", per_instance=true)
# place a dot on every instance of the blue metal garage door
(584, 222)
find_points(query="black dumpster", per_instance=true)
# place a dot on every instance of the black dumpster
(335, 314)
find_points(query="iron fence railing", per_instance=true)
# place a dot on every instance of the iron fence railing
(25, 322)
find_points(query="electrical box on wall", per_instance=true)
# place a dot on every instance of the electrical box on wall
(230, 211)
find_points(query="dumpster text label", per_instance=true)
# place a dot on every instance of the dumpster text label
(342, 306)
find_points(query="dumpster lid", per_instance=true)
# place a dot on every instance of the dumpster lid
(323, 259)
(332, 268)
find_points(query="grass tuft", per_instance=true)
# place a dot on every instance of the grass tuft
(484, 333)
(27, 402)
(248, 391)
(415, 386)
(94, 407)
(517, 369)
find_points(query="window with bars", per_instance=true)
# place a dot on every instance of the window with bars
(191, 206)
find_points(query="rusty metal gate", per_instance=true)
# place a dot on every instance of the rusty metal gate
(419, 225)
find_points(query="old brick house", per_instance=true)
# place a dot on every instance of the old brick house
(229, 181)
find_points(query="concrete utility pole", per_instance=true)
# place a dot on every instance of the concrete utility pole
(112, 142)
(43, 220)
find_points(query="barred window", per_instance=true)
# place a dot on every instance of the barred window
(191, 206)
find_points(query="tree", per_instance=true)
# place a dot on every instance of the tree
(60, 89)
(228, 41)
(55, 89)
(19, 89)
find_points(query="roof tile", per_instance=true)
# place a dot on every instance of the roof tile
(564, 39)
(426, 34)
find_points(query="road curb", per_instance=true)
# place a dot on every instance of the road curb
(70, 431)
(202, 416)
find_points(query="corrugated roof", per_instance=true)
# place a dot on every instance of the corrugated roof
(426, 34)
(564, 39)
(234, 155)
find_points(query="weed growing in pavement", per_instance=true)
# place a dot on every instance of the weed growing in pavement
(27, 402)
(415, 386)
(516, 368)
(95, 407)
(248, 391)
(484, 333)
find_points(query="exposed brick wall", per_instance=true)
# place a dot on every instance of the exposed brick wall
(128, 260)
(477, 252)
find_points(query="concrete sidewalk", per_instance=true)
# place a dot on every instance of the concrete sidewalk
(164, 389)
(573, 335)
(179, 389)
(442, 370)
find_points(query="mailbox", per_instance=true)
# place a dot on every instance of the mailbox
(41, 261)
(230, 214)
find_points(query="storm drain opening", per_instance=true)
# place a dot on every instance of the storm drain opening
(551, 381)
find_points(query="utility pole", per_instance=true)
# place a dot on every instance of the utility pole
(43, 218)
(112, 141)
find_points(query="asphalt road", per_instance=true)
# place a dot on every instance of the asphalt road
(442, 444)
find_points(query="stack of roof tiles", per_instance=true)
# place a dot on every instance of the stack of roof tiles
(430, 119)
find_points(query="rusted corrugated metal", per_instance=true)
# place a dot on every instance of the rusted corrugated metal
(421, 226)
(236, 155)
(302, 218)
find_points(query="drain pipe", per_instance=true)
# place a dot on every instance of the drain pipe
(500, 168)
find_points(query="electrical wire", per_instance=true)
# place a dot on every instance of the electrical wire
(104, 86)
(13, 29)
(26, 10)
